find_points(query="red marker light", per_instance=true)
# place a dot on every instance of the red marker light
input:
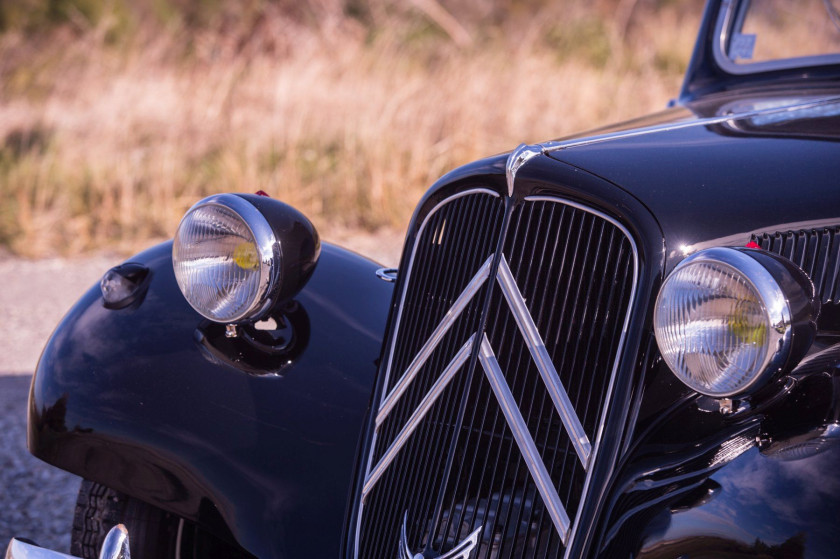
(752, 244)
(262, 193)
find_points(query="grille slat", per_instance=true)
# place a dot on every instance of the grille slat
(462, 469)
(816, 251)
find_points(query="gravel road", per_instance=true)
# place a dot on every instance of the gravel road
(37, 500)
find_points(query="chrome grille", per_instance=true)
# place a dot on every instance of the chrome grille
(496, 358)
(816, 251)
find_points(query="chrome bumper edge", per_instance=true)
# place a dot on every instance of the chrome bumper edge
(115, 546)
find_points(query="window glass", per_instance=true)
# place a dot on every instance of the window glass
(768, 30)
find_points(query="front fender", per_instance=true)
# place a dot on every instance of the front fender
(133, 400)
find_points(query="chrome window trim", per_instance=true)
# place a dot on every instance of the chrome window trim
(723, 28)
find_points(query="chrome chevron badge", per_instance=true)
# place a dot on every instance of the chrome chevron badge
(461, 551)
(479, 343)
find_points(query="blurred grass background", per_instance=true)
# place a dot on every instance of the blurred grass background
(117, 115)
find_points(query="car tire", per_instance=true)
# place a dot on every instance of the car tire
(153, 533)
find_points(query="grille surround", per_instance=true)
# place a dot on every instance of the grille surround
(389, 381)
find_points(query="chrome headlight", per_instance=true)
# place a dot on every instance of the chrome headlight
(235, 256)
(726, 320)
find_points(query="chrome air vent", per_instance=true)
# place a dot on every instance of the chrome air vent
(498, 376)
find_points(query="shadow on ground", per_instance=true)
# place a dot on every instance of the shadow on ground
(36, 500)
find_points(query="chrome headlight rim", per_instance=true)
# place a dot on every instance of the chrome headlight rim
(267, 246)
(775, 304)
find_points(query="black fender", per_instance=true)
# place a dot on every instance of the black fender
(760, 481)
(150, 401)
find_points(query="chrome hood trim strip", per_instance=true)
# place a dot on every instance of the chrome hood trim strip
(553, 146)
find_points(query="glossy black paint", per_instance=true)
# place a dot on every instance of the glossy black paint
(300, 244)
(708, 188)
(761, 505)
(134, 399)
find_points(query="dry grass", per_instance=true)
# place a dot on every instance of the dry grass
(105, 143)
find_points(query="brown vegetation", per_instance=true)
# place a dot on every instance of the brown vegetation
(116, 116)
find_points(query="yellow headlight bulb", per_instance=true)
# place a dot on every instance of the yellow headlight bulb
(245, 256)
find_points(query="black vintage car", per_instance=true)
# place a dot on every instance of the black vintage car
(620, 344)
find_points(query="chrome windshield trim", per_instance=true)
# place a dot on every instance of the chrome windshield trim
(542, 360)
(523, 439)
(426, 351)
(425, 405)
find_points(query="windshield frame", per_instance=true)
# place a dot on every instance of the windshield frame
(730, 15)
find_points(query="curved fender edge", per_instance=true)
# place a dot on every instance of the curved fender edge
(133, 399)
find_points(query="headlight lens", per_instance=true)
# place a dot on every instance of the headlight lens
(225, 255)
(722, 322)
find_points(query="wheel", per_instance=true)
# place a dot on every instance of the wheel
(153, 533)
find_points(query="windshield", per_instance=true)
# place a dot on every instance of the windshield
(758, 35)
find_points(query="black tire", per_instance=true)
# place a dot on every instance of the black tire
(153, 533)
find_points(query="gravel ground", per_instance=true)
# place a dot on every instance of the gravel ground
(37, 500)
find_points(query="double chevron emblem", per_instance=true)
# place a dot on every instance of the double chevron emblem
(487, 359)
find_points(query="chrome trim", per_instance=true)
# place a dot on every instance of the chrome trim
(425, 405)
(115, 546)
(550, 147)
(517, 158)
(526, 445)
(411, 265)
(20, 550)
(542, 360)
(387, 274)
(723, 27)
(395, 334)
(618, 352)
(559, 515)
(461, 551)
(775, 301)
(426, 351)
(267, 245)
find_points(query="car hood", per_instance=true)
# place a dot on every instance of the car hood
(713, 173)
